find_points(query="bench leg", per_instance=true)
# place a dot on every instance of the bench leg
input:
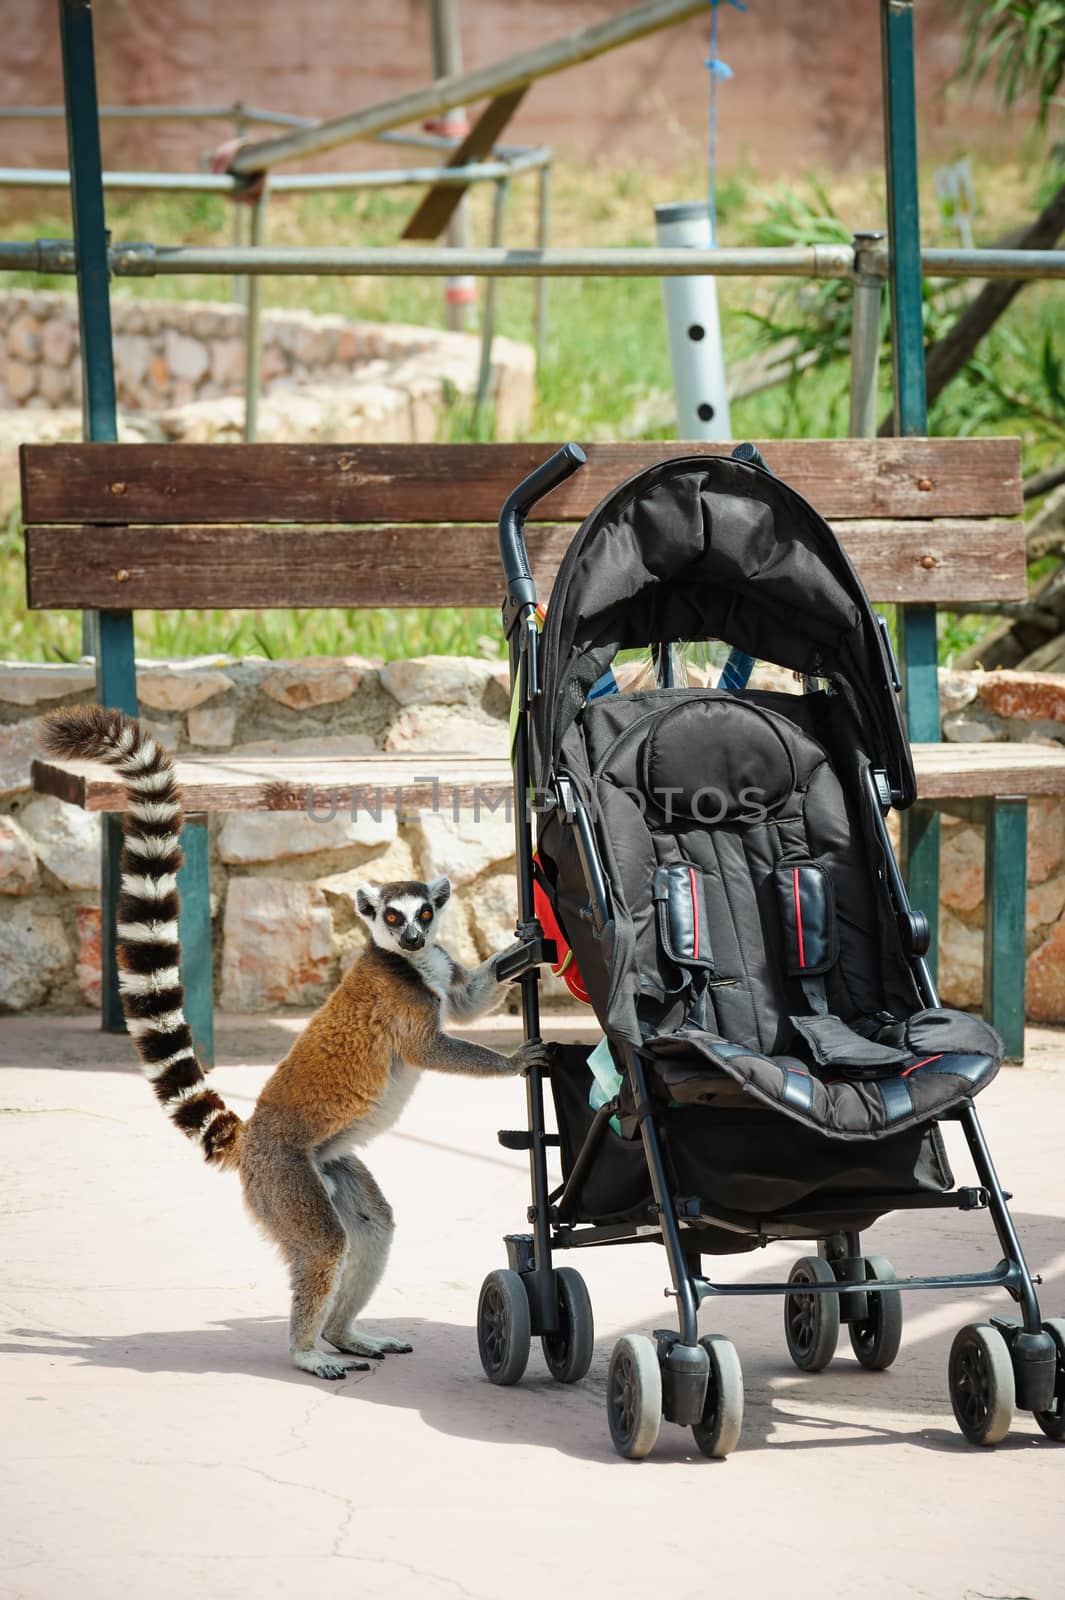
(197, 967)
(1005, 895)
(920, 864)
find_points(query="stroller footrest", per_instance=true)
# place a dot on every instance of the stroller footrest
(522, 1139)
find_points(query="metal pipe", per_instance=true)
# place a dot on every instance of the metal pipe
(484, 84)
(137, 260)
(288, 183)
(279, 119)
(793, 261)
(993, 263)
(460, 293)
(488, 324)
(543, 241)
(865, 339)
(253, 339)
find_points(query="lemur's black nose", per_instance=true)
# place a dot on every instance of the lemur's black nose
(411, 939)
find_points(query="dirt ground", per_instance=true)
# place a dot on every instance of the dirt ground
(156, 1442)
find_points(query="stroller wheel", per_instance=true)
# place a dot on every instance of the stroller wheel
(568, 1352)
(634, 1396)
(811, 1321)
(1052, 1421)
(503, 1332)
(719, 1431)
(982, 1389)
(876, 1339)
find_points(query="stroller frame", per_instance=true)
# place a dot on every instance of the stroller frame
(1034, 1352)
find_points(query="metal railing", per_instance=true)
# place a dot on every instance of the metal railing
(507, 162)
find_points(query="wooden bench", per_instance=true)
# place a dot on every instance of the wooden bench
(114, 528)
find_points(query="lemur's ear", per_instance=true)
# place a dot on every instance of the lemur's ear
(367, 902)
(439, 892)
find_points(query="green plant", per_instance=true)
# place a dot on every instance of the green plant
(1021, 41)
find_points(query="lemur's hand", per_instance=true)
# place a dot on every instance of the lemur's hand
(501, 955)
(533, 1053)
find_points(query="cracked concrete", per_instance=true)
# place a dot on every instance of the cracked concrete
(157, 1443)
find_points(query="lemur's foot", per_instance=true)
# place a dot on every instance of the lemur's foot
(321, 1365)
(353, 1341)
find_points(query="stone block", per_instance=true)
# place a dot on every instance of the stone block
(956, 689)
(179, 688)
(18, 864)
(277, 944)
(494, 911)
(392, 865)
(26, 683)
(133, 352)
(260, 836)
(59, 338)
(463, 849)
(66, 840)
(1044, 905)
(438, 680)
(24, 338)
(1046, 837)
(439, 728)
(87, 964)
(18, 746)
(1045, 984)
(961, 963)
(316, 681)
(54, 386)
(20, 379)
(185, 358)
(227, 363)
(34, 956)
(1029, 696)
(963, 728)
(962, 869)
(212, 726)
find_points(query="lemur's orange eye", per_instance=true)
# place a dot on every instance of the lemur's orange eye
(392, 917)
(425, 915)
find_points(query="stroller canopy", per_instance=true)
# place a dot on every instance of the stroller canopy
(706, 547)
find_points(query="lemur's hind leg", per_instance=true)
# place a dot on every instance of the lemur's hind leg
(285, 1193)
(367, 1220)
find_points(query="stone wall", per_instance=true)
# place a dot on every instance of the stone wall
(179, 376)
(283, 884)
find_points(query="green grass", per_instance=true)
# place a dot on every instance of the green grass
(605, 357)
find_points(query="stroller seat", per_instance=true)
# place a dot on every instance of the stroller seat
(745, 872)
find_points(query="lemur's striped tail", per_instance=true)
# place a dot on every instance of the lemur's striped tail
(148, 945)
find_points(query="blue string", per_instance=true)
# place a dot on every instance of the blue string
(718, 70)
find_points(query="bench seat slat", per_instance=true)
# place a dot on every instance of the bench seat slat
(291, 783)
(149, 483)
(161, 568)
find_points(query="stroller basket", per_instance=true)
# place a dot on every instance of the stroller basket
(717, 857)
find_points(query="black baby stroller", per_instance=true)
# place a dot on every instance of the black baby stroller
(719, 862)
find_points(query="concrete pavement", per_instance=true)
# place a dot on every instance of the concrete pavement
(156, 1442)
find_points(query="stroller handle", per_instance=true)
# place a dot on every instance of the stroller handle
(555, 470)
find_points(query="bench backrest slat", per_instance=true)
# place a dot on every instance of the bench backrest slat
(158, 569)
(214, 484)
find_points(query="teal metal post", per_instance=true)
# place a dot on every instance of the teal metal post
(110, 633)
(1005, 844)
(194, 928)
(917, 624)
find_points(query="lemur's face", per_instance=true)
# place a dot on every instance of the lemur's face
(403, 917)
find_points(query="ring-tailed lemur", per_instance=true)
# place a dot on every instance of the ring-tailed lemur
(346, 1078)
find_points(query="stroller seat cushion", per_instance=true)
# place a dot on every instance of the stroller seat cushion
(948, 1057)
(747, 768)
